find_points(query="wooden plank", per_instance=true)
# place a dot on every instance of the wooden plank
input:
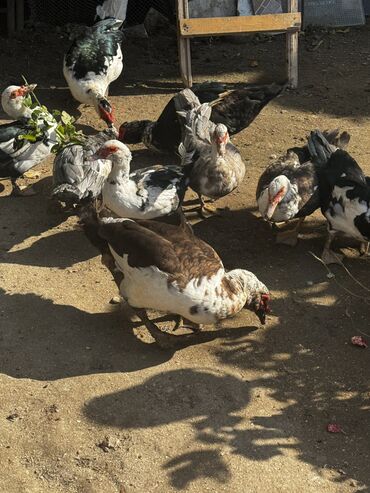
(184, 46)
(219, 26)
(292, 49)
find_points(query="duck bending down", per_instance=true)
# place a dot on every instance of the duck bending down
(143, 194)
(167, 268)
(17, 155)
(288, 188)
(79, 175)
(344, 195)
(217, 166)
(94, 61)
(235, 108)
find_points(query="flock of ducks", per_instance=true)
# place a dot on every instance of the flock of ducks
(161, 264)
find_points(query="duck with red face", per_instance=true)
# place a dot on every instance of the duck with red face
(18, 156)
(94, 61)
(13, 98)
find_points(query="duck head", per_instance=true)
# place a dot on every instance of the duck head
(257, 296)
(12, 100)
(277, 190)
(220, 138)
(116, 152)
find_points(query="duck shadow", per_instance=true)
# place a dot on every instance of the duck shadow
(44, 340)
(22, 217)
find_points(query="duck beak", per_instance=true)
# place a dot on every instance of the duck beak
(270, 210)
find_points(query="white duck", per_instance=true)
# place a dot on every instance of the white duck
(217, 166)
(18, 156)
(94, 61)
(166, 268)
(144, 194)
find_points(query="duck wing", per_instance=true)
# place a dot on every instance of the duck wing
(238, 108)
(75, 177)
(89, 53)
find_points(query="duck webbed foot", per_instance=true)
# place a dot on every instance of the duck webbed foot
(18, 191)
(328, 256)
(290, 236)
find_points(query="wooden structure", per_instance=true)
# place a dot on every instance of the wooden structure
(14, 11)
(188, 28)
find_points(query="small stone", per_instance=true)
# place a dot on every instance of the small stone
(309, 283)
(108, 444)
(273, 156)
(12, 417)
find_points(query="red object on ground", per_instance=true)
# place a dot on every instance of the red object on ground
(334, 428)
(359, 341)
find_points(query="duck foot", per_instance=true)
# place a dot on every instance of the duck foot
(364, 248)
(330, 257)
(164, 340)
(289, 237)
(22, 191)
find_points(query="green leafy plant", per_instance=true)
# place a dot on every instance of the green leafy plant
(42, 120)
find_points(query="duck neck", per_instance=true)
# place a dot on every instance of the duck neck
(120, 167)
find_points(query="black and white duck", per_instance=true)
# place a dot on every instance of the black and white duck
(167, 268)
(236, 108)
(217, 166)
(94, 61)
(143, 194)
(344, 195)
(288, 188)
(79, 175)
(18, 155)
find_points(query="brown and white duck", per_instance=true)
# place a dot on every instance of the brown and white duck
(168, 269)
(288, 188)
(236, 106)
(17, 155)
(143, 194)
(217, 166)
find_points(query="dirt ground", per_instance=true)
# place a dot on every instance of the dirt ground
(89, 404)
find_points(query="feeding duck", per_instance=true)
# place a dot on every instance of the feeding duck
(217, 166)
(344, 194)
(143, 194)
(288, 188)
(78, 175)
(167, 268)
(236, 108)
(18, 155)
(94, 61)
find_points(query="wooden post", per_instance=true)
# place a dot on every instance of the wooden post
(10, 10)
(184, 45)
(292, 49)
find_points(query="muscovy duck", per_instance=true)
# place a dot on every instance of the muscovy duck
(18, 156)
(144, 194)
(288, 188)
(234, 108)
(167, 268)
(78, 176)
(344, 194)
(217, 166)
(93, 61)
(13, 99)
